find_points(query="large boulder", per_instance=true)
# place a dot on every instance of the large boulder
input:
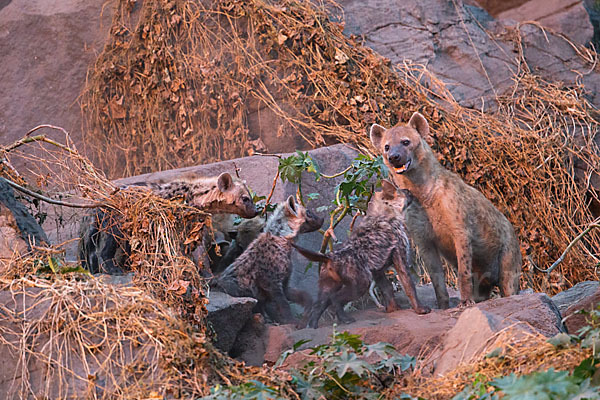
(574, 295)
(227, 316)
(573, 319)
(467, 49)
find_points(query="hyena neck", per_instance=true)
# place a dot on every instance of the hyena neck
(421, 179)
(278, 224)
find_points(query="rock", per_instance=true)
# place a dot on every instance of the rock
(536, 310)
(227, 316)
(465, 47)
(412, 334)
(571, 296)
(407, 331)
(469, 337)
(574, 321)
(45, 51)
(568, 17)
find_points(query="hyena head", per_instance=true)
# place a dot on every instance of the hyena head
(232, 196)
(287, 219)
(391, 201)
(221, 195)
(313, 222)
(402, 146)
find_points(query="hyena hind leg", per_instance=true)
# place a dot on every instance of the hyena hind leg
(348, 292)
(387, 290)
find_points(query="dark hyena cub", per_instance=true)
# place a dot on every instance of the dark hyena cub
(264, 268)
(379, 242)
(102, 246)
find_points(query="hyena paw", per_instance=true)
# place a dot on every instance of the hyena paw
(466, 304)
(423, 310)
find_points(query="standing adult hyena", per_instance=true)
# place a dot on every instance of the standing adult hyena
(379, 242)
(264, 268)
(102, 247)
(450, 218)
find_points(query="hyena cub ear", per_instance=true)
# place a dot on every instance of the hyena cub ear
(376, 134)
(290, 207)
(224, 182)
(388, 189)
(420, 124)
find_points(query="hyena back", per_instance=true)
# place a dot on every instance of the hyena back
(102, 246)
(450, 218)
(379, 242)
(264, 268)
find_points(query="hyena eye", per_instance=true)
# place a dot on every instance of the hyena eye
(246, 199)
(387, 147)
(405, 142)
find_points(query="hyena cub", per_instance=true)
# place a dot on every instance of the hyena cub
(102, 246)
(379, 242)
(264, 268)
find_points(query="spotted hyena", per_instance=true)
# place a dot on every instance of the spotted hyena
(450, 218)
(379, 242)
(102, 246)
(264, 268)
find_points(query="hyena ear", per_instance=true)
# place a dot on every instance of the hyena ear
(419, 123)
(290, 206)
(224, 182)
(376, 134)
(389, 189)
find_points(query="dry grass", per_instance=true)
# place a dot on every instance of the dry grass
(521, 354)
(174, 87)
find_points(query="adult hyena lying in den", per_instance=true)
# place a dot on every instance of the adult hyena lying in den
(102, 246)
(264, 268)
(379, 242)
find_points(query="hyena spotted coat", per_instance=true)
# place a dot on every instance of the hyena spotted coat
(264, 268)
(102, 247)
(450, 218)
(379, 242)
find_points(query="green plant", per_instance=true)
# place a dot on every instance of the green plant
(344, 368)
(545, 385)
(251, 390)
(352, 194)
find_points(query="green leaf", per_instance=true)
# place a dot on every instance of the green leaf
(349, 362)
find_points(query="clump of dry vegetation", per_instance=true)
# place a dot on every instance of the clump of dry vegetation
(177, 80)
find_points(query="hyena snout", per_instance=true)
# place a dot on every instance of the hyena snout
(399, 158)
(248, 208)
(312, 223)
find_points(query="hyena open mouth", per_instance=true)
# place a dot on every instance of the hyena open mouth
(403, 168)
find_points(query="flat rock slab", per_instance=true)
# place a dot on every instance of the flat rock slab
(573, 320)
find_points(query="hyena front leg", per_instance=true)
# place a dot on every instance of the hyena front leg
(464, 260)
(433, 264)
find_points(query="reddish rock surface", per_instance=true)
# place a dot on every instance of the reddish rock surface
(449, 337)
(573, 321)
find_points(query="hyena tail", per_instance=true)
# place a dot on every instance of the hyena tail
(311, 255)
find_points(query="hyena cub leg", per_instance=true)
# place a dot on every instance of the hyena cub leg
(347, 293)
(276, 304)
(408, 285)
(433, 264)
(327, 286)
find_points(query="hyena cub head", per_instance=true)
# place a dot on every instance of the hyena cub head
(391, 201)
(403, 147)
(291, 218)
